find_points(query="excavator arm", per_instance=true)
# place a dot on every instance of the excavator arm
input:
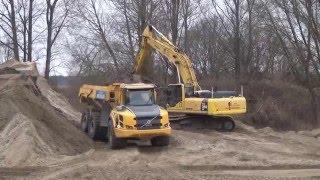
(154, 40)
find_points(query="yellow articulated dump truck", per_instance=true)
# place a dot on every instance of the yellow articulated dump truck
(124, 111)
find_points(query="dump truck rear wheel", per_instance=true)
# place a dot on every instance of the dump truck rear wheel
(114, 142)
(93, 129)
(84, 122)
(160, 141)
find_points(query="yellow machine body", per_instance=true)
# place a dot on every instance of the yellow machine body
(123, 118)
(125, 127)
(225, 105)
(216, 106)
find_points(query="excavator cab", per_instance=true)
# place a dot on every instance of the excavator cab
(175, 93)
(189, 91)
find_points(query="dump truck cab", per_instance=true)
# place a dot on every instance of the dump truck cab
(137, 115)
(124, 111)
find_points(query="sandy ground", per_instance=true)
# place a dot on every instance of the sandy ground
(39, 140)
(191, 155)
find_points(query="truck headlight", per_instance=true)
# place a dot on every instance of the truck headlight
(129, 127)
(121, 118)
(119, 121)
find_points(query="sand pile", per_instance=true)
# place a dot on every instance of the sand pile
(58, 100)
(32, 130)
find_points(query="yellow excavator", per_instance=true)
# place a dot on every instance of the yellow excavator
(213, 108)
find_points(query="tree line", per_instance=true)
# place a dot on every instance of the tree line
(242, 39)
(28, 23)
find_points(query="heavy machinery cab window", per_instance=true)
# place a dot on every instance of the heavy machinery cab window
(139, 97)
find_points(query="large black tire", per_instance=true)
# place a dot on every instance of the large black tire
(90, 123)
(113, 141)
(103, 135)
(93, 129)
(84, 122)
(160, 141)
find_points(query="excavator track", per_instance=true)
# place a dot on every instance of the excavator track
(189, 122)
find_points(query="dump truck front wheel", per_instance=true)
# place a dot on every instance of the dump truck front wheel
(114, 142)
(84, 122)
(160, 141)
(93, 128)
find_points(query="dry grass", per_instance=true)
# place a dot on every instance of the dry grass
(274, 103)
(278, 104)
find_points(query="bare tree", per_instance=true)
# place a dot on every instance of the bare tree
(297, 43)
(142, 16)
(231, 18)
(173, 7)
(249, 57)
(14, 30)
(30, 29)
(54, 27)
(88, 12)
(23, 19)
(8, 18)
(128, 29)
(236, 38)
(186, 14)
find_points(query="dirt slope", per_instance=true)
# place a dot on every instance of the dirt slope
(58, 100)
(33, 131)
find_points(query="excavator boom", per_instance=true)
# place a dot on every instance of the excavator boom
(153, 39)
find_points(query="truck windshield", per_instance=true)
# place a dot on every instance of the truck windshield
(137, 97)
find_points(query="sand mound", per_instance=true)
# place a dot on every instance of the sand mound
(31, 128)
(58, 100)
